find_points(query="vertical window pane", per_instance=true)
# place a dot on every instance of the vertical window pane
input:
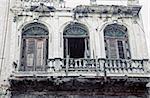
(121, 50)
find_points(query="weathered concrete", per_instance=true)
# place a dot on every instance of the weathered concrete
(100, 85)
(66, 95)
(15, 16)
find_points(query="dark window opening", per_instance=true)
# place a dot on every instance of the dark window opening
(76, 47)
(76, 41)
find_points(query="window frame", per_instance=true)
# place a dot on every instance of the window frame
(85, 36)
(124, 39)
(44, 36)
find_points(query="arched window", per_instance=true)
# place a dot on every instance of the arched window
(34, 47)
(116, 42)
(76, 41)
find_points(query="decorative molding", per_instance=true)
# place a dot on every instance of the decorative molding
(108, 9)
(42, 8)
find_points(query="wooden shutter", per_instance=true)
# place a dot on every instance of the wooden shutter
(30, 46)
(112, 50)
(40, 54)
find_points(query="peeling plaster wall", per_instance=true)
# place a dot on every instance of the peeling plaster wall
(56, 24)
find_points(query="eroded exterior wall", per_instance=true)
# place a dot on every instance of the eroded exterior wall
(11, 35)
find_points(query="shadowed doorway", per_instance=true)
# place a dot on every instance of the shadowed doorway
(76, 41)
(76, 47)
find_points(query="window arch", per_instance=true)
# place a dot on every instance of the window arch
(75, 29)
(34, 51)
(76, 41)
(35, 29)
(116, 42)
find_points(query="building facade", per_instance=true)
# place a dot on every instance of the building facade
(46, 39)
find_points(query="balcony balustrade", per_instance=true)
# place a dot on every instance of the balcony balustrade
(86, 66)
(101, 65)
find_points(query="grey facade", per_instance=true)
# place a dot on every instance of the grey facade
(43, 40)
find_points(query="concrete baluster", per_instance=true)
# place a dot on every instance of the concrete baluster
(80, 63)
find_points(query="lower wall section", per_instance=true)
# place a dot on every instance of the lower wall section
(66, 95)
(116, 86)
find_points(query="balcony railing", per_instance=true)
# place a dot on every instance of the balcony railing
(100, 65)
(96, 67)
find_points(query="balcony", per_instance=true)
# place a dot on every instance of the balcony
(89, 68)
(84, 75)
